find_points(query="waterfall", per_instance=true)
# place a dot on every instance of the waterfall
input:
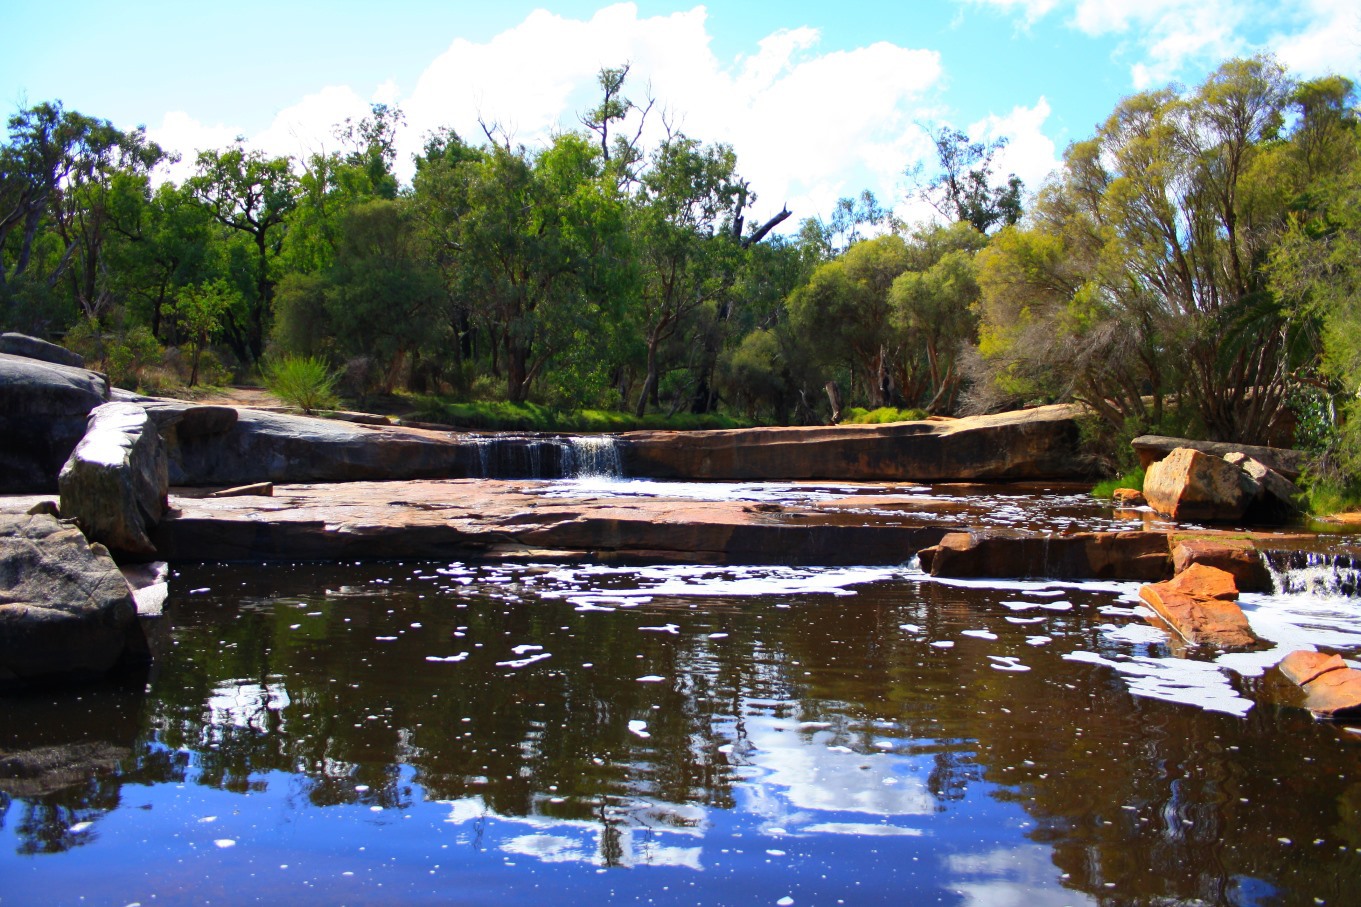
(593, 456)
(1322, 574)
(521, 456)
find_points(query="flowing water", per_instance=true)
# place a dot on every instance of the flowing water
(529, 734)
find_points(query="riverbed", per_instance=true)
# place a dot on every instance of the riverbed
(526, 733)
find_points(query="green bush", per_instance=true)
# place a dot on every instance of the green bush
(302, 381)
(121, 354)
(859, 416)
(502, 416)
(1132, 479)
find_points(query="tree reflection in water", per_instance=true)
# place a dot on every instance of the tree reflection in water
(671, 730)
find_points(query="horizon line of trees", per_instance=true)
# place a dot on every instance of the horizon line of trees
(1192, 266)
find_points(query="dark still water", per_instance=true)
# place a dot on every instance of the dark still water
(451, 734)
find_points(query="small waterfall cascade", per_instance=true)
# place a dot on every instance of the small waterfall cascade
(528, 456)
(593, 457)
(1315, 573)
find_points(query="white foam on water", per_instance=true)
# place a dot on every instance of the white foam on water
(523, 662)
(1197, 683)
(639, 728)
(1296, 621)
(979, 634)
(1137, 634)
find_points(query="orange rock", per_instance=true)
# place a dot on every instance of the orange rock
(1202, 581)
(1128, 497)
(1236, 556)
(1302, 667)
(1210, 621)
(1334, 694)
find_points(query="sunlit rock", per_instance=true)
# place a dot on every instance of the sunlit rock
(1238, 557)
(115, 484)
(1128, 497)
(1152, 448)
(1191, 486)
(1200, 605)
(1330, 689)
(1134, 555)
(65, 608)
(1039, 443)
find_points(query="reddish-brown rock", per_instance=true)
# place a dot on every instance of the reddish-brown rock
(1199, 605)
(1128, 497)
(1133, 555)
(1152, 448)
(1192, 486)
(491, 519)
(1040, 443)
(1329, 688)
(1302, 666)
(1238, 557)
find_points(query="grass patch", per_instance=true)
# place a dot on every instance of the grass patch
(1325, 497)
(858, 416)
(1132, 479)
(501, 416)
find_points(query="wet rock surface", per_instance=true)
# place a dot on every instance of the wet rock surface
(1326, 685)
(489, 519)
(1200, 605)
(1240, 558)
(1133, 555)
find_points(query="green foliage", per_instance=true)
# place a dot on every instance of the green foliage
(1132, 479)
(859, 416)
(505, 416)
(302, 381)
(199, 311)
(121, 354)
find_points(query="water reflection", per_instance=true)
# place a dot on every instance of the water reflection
(407, 732)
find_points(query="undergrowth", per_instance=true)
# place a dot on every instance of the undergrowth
(859, 416)
(502, 416)
(1132, 479)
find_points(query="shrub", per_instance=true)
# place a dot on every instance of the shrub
(858, 416)
(301, 381)
(1132, 479)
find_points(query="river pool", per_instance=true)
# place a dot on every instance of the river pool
(455, 733)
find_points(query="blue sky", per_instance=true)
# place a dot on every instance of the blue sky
(819, 99)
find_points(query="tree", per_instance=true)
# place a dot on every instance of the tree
(844, 315)
(64, 170)
(961, 187)
(1143, 269)
(198, 312)
(249, 193)
(683, 216)
(934, 308)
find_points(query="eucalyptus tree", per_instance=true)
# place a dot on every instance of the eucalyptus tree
(685, 212)
(846, 317)
(534, 249)
(1141, 272)
(250, 194)
(61, 176)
